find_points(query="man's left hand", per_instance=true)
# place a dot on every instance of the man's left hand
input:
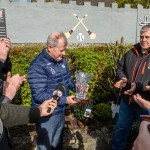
(141, 101)
(131, 90)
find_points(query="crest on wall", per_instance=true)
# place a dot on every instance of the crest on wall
(80, 36)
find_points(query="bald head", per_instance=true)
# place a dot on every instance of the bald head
(54, 37)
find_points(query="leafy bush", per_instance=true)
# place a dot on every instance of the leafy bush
(100, 61)
(21, 57)
(103, 112)
(79, 112)
(134, 3)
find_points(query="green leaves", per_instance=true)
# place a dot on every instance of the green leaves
(134, 3)
(21, 57)
(100, 61)
(103, 112)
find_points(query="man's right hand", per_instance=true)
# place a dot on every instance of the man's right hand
(141, 101)
(12, 85)
(142, 140)
(52, 104)
(7, 43)
(70, 100)
(148, 88)
(4, 49)
(121, 83)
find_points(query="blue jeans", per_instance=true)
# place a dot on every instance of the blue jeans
(50, 132)
(127, 114)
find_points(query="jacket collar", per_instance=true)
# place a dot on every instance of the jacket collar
(137, 49)
(51, 59)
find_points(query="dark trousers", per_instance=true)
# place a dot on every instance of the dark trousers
(5, 143)
(50, 132)
(127, 114)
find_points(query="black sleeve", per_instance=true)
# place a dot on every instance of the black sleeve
(4, 99)
(7, 65)
(12, 115)
(120, 69)
(1, 65)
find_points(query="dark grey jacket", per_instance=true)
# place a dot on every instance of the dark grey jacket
(135, 66)
(13, 115)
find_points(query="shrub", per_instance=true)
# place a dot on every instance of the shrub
(21, 57)
(103, 112)
(100, 61)
(134, 3)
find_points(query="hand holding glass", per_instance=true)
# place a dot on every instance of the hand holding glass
(82, 80)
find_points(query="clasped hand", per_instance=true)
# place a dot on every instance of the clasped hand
(122, 83)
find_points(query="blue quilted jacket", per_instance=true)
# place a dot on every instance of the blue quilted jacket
(44, 74)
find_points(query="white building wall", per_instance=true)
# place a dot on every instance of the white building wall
(33, 22)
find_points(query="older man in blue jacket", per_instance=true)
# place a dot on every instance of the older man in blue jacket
(46, 71)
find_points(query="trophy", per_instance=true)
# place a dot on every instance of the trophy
(82, 80)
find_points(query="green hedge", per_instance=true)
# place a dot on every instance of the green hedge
(21, 57)
(103, 112)
(100, 61)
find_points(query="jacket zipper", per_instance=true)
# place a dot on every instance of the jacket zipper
(143, 69)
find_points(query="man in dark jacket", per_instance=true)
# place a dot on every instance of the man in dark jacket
(5, 70)
(133, 68)
(5, 63)
(12, 115)
(46, 71)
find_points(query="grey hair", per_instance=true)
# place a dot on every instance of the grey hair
(54, 37)
(145, 28)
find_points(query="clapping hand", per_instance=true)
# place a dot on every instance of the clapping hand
(5, 45)
(12, 85)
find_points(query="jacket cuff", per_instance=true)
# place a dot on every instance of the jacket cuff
(5, 99)
(1, 65)
(118, 78)
(63, 101)
(139, 87)
(148, 111)
(34, 114)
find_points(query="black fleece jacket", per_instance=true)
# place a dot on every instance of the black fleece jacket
(135, 66)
